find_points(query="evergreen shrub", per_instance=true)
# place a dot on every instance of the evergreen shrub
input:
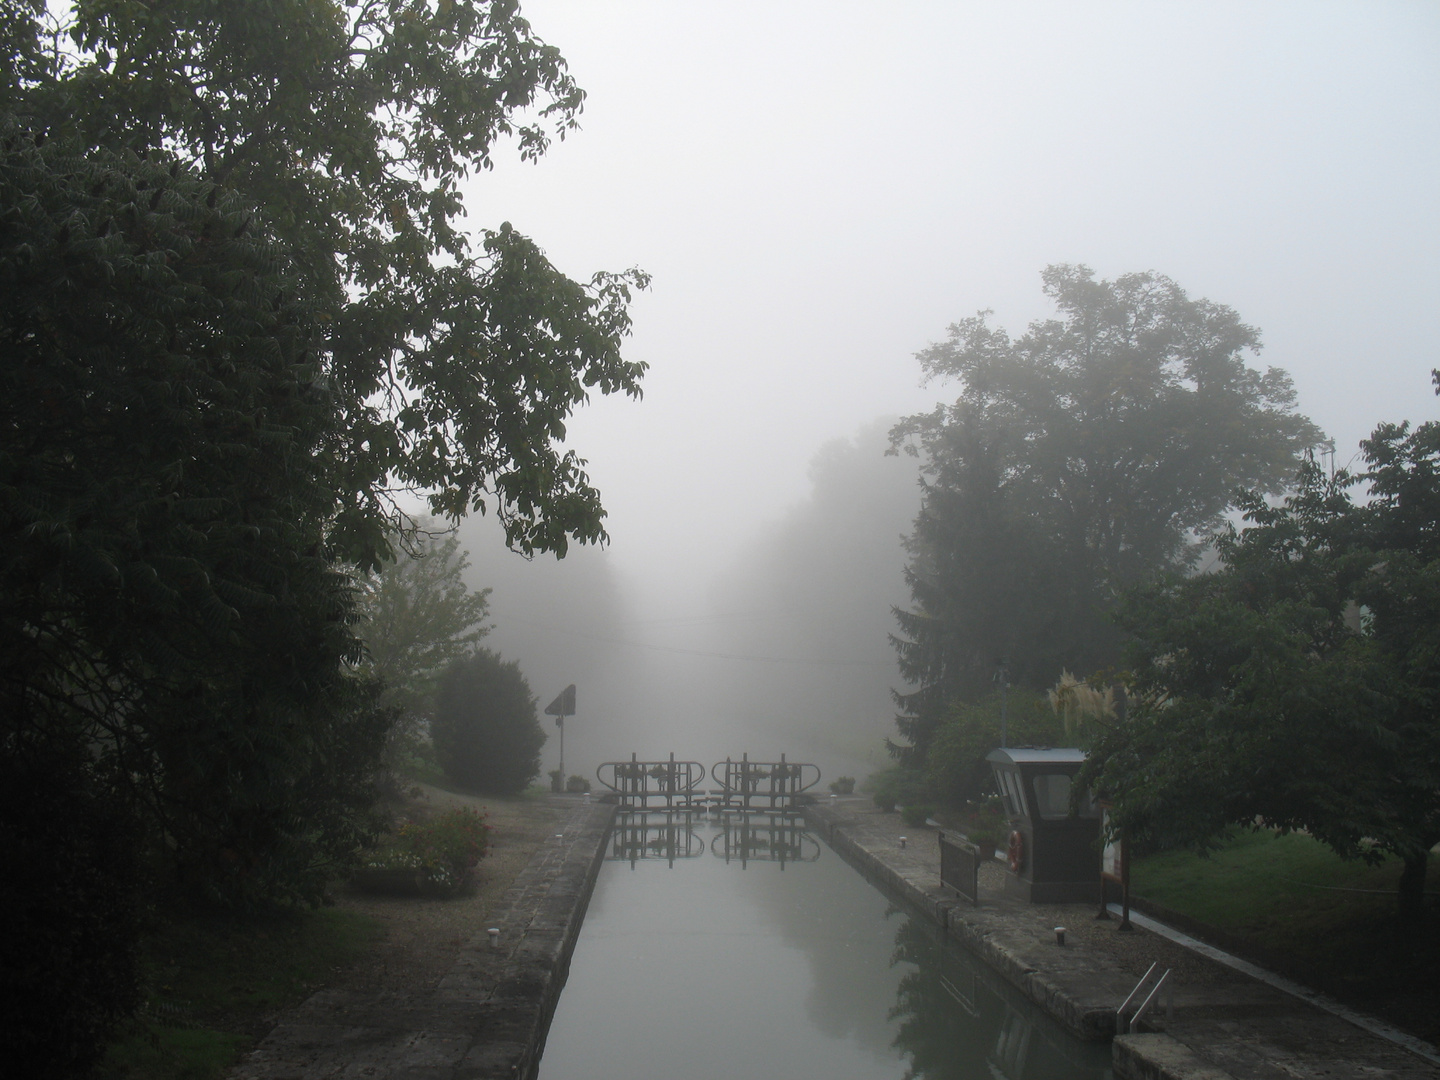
(485, 729)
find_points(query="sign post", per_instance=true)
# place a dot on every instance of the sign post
(561, 707)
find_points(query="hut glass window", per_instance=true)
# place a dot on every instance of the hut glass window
(1052, 796)
(1012, 792)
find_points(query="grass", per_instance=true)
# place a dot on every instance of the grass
(1328, 921)
(214, 981)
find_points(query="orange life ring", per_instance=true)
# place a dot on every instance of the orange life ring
(1017, 851)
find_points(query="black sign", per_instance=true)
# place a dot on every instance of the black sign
(564, 704)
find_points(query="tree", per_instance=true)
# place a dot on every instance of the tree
(486, 731)
(781, 598)
(1295, 687)
(1079, 458)
(172, 651)
(420, 617)
(237, 315)
(349, 125)
(164, 592)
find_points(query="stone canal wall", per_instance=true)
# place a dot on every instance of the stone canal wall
(488, 1016)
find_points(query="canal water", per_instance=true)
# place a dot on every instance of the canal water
(722, 947)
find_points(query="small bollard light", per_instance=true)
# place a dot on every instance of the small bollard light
(559, 836)
(833, 797)
(1059, 935)
(587, 798)
(494, 933)
(902, 842)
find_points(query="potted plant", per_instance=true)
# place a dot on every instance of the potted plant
(985, 841)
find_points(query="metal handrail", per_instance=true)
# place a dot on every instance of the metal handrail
(1120, 1012)
(637, 782)
(1123, 1024)
(740, 781)
(1146, 1004)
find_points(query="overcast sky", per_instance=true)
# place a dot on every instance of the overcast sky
(819, 189)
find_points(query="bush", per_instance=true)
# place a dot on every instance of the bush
(842, 785)
(577, 784)
(898, 786)
(440, 852)
(485, 730)
(916, 813)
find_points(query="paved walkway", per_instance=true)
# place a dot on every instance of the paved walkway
(486, 1018)
(1226, 1025)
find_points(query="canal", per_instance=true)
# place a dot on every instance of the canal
(719, 947)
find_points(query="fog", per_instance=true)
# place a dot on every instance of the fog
(818, 190)
(782, 649)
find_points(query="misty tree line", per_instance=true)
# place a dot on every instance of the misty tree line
(239, 322)
(1070, 494)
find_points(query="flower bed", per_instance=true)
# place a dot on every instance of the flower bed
(430, 858)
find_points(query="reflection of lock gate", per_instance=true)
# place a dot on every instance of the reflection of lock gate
(766, 785)
(779, 839)
(777, 782)
(753, 836)
(667, 834)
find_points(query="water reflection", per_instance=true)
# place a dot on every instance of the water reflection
(656, 834)
(810, 967)
(764, 837)
(949, 1006)
(743, 837)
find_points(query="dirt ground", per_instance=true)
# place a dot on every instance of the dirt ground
(423, 934)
